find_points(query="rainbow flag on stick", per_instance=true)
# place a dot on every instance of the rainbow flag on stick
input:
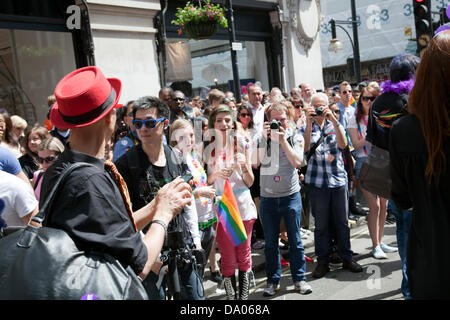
(230, 217)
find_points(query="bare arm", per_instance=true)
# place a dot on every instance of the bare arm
(357, 142)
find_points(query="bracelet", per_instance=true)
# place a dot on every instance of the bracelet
(196, 194)
(161, 223)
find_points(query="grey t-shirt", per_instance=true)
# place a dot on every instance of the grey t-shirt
(278, 178)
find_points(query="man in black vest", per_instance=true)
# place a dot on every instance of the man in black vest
(146, 168)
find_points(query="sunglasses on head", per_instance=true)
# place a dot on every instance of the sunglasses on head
(149, 124)
(368, 98)
(49, 159)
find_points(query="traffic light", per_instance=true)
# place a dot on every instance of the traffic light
(423, 22)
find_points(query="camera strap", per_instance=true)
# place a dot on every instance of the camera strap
(316, 145)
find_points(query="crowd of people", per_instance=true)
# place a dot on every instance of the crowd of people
(289, 157)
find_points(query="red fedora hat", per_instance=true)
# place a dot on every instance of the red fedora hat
(83, 97)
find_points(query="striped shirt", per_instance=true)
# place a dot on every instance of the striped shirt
(326, 166)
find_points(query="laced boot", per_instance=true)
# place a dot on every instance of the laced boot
(230, 287)
(244, 284)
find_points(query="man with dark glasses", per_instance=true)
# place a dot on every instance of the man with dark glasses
(146, 168)
(179, 109)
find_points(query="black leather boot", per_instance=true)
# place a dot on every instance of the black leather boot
(230, 287)
(244, 284)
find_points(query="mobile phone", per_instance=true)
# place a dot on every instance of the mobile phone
(187, 177)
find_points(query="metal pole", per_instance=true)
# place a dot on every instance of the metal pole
(356, 43)
(234, 62)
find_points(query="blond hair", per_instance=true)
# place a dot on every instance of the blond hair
(52, 144)
(18, 122)
(178, 124)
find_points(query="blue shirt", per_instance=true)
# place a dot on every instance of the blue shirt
(124, 144)
(326, 166)
(9, 162)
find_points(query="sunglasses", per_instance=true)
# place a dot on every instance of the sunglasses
(49, 159)
(149, 124)
(298, 106)
(244, 115)
(337, 111)
(368, 98)
(178, 99)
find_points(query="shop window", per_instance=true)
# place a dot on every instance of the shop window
(31, 64)
(210, 61)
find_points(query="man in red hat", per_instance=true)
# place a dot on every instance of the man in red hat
(93, 203)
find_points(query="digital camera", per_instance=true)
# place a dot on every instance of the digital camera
(319, 111)
(275, 124)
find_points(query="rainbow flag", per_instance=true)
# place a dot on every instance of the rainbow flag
(230, 217)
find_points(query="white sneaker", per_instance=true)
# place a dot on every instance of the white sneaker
(388, 249)
(378, 253)
(302, 287)
(271, 289)
(308, 232)
(303, 234)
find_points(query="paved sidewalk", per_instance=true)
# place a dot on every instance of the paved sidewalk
(213, 290)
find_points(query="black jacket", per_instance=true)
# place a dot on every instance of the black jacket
(136, 170)
(429, 234)
(386, 108)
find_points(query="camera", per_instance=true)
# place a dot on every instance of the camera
(319, 111)
(275, 124)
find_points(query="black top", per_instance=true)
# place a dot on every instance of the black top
(90, 209)
(145, 179)
(386, 108)
(429, 235)
(142, 177)
(29, 165)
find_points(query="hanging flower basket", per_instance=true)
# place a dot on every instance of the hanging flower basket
(200, 31)
(200, 22)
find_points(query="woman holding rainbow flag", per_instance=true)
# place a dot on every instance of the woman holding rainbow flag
(230, 171)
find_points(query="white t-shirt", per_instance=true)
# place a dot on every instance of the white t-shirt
(258, 118)
(362, 123)
(18, 197)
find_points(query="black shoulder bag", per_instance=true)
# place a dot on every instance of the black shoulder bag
(44, 263)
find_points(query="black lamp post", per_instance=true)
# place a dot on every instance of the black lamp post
(234, 63)
(336, 45)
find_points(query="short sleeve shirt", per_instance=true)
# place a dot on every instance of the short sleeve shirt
(90, 209)
(18, 197)
(326, 166)
(278, 178)
(8, 162)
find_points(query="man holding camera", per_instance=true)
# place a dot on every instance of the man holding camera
(146, 168)
(280, 155)
(327, 182)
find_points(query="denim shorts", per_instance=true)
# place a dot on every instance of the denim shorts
(358, 165)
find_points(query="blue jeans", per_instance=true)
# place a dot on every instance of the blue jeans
(327, 203)
(191, 285)
(271, 211)
(403, 218)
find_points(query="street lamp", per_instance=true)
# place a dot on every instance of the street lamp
(336, 44)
